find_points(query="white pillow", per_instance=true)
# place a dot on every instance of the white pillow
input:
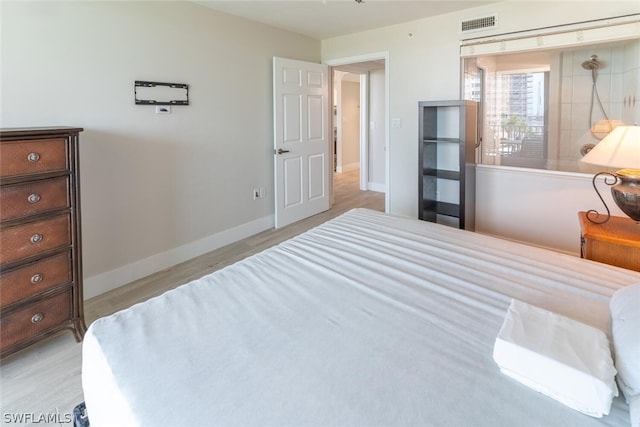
(634, 408)
(625, 326)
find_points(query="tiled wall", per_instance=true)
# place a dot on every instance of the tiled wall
(617, 85)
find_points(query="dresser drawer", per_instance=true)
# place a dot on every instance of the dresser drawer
(34, 278)
(25, 240)
(33, 156)
(40, 236)
(35, 319)
(22, 200)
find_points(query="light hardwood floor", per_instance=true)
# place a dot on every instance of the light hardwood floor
(46, 378)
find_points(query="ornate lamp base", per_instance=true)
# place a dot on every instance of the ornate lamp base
(625, 189)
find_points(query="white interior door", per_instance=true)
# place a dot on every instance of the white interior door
(301, 139)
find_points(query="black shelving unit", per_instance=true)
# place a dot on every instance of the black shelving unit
(447, 152)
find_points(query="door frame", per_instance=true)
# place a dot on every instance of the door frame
(364, 119)
(364, 132)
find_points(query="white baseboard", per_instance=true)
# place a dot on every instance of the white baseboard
(347, 168)
(375, 186)
(109, 280)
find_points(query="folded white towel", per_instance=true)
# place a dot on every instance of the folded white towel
(557, 356)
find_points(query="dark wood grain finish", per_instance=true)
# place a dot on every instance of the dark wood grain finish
(40, 244)
(446, 189)
(34, 278)
(36, 318)
(34, 197)
(23, 157)
(27, 240)
(30, 133)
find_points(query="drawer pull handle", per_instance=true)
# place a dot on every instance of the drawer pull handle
(36, 238)
(33, 198)
(33, 157)
(37, 278)
(36, 318)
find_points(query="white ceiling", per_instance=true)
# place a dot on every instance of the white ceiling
(322, 19)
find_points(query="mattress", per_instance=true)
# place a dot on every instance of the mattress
(367, 320)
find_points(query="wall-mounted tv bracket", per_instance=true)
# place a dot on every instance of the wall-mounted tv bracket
(158, 93)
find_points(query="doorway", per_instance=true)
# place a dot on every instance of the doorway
(360, 86)
(346, 121)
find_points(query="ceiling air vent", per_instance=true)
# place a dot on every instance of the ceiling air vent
(477, 24)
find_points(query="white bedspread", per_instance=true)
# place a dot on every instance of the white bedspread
(367, 320)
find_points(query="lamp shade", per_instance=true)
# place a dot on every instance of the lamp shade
(619, 149)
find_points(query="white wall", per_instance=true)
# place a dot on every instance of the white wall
(377, 131)
(426, 66)
(156, 189)
(349, 114)
(536, 206)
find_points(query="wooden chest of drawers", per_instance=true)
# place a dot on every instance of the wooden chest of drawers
(40, 252)
(616, 242)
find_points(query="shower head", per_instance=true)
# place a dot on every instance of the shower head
(592, 63)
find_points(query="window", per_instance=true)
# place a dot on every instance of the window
(515, 123)
(541, 103)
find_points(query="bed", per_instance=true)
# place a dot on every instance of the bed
(367, 320)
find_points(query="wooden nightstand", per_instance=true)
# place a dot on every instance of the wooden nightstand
(616, 242)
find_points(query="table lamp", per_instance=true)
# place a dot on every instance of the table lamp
(619, 149)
